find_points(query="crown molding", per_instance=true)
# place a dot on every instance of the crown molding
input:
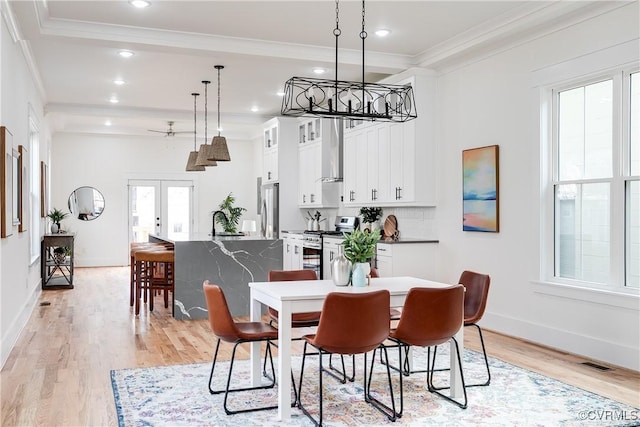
(381, 62)
(530, 21)
(16, 35)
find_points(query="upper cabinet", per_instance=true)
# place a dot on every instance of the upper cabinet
(393, 164)
(318, 158)
(274, 132)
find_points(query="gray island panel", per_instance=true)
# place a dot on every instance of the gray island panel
(230, 263)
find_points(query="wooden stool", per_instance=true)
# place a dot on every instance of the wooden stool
(138, 246)
(154, 271)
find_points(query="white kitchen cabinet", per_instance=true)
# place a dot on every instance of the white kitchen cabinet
(292, 254)
(399, 158)
(270, 165)
(329, 253)
(271, 134)
(315, 145)
(406, 259)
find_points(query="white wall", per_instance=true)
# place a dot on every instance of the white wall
(492, 101)
(19, 280)
(107, 162)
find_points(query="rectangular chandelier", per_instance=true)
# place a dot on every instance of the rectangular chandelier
(310, 97)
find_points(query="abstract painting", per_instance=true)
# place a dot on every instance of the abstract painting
(480, 189)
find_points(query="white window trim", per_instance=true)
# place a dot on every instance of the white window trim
(574, 72)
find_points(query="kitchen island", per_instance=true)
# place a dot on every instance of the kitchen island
(230, 262)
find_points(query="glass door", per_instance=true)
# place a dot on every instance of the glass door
(160, 207)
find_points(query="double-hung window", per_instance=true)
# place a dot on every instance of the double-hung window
(595, 181)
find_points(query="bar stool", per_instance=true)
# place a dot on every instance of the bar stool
(154, 271)
(134, 247)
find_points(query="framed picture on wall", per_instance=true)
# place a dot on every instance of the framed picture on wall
(480, 189)
(6, 182)
(43, 190)
(23, 186)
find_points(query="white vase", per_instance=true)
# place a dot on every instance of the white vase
(55, 228)
(341, 269)
(360, 272)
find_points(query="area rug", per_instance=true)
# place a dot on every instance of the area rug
(178, 396)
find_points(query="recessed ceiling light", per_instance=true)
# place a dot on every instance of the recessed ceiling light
(125, 53)
(118, 82)
(107, 123)
(140, 4)
(254, 109)
(319, 70)
(383, 32)
(113, 100)
(280, 93)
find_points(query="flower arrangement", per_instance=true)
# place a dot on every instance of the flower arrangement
(232, 214)
(370, 214)
(359, 245)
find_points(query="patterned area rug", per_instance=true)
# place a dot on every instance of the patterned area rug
(178, 396)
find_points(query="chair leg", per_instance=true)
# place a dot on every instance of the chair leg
(486, 360)
(320, 369)
(389, 411)
(343, 373)
(436, 390)
(227, 390)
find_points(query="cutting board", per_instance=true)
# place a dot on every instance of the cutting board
(391, 228)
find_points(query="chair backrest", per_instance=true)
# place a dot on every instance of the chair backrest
(353, 323)
(287, 275)
(430, 316)
(475, 297)
(373, 273)
(220, 319)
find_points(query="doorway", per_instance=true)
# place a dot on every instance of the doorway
(163, 207)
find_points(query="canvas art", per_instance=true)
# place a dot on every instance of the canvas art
(480, 189)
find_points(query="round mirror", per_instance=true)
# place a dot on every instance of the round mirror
(86, 203)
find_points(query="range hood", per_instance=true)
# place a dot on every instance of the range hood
(335, 152)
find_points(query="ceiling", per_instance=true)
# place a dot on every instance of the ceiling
(72, 46)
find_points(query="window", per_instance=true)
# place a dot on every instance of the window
(596, 182)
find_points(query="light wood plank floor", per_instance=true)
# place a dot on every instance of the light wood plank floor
(58, 372)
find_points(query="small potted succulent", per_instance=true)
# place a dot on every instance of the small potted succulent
(359, 248)
(56, 215)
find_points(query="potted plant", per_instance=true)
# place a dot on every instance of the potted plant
(56, 215)
(371, 215)
(232, 214)
(60, 254)
(359, 248)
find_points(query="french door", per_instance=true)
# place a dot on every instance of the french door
(161, 207)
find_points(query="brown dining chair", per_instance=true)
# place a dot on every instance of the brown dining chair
(227, 329)
(394, 313)
(351, 323)
(430, 317)
(475, 302)
(303, 320)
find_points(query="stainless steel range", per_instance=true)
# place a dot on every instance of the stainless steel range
(312, 244)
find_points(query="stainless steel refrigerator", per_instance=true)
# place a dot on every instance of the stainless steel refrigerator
(269, 211)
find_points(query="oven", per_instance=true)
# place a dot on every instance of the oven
(312, 245)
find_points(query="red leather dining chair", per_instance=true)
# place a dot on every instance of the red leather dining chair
(475, 302)
(227, 329)
(430, 317)
(351, 323)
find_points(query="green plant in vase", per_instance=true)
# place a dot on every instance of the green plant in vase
(56, 215)
(359, 248)
(371, 215)
(232, 214)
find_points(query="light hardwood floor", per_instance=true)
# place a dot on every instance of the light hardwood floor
(58, 372)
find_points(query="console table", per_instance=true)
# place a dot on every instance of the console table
(57, 266)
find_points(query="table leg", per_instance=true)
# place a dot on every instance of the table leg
(284, 362)
(455, 374)
(255, 311)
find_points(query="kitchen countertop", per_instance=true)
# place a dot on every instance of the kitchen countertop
(203, 237)
(395, 242)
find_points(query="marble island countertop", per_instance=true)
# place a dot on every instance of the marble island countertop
(204, 237)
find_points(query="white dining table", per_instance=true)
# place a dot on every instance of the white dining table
(302, 296)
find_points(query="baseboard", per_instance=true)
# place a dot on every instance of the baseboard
(588, 347)
(13, 332)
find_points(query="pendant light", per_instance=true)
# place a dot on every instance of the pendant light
(193, 156)
(219, 150)
(203, 152)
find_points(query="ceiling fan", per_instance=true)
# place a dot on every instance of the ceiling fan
(169, 131)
